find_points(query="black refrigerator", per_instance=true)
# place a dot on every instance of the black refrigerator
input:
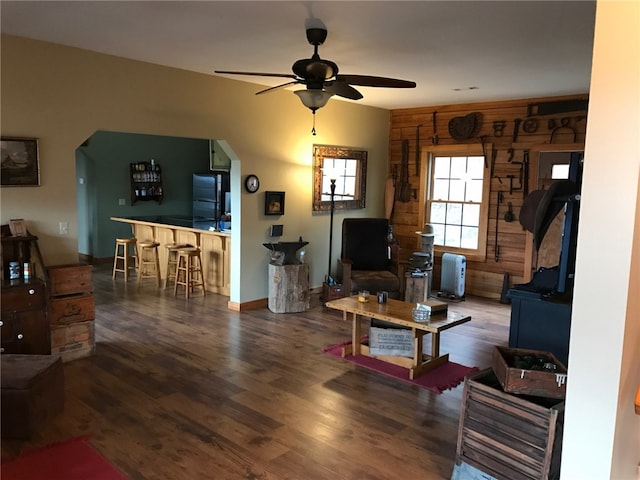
(210, 196)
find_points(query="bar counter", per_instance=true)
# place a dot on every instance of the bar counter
(215, 245)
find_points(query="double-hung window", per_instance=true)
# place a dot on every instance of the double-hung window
(457, 199)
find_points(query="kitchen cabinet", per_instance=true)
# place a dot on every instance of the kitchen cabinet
(146, 182)
(218, 159)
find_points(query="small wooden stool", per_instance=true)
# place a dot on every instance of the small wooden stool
(123, 252)
(172, 261)
(149, 262)
(189, 271)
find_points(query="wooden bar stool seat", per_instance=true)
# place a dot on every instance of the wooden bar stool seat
(149, 261)
(172, 261)
(189, 271)
(126, 254)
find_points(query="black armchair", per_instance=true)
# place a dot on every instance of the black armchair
(365, 258)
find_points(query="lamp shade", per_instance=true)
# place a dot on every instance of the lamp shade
(313, 98)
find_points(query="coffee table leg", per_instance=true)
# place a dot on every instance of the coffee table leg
(417, 347)
(354, 347)
(435, 345)
(435, 361)
(355, 339)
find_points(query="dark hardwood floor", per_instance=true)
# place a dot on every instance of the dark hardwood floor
(183, 389)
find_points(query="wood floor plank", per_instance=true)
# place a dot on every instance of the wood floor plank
(181, 389)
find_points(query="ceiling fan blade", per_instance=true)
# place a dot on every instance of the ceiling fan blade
(342, 89)
(370, 81)
(258, 74)
(266, 90)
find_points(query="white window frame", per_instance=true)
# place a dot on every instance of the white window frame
(428, 154)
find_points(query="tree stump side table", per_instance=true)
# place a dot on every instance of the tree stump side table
(289, 288)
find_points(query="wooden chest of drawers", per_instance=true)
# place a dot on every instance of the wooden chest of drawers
(24, 326)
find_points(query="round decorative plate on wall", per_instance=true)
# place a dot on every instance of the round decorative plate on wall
(252, 183)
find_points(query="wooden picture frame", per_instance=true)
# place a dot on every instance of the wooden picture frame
(347, 166)
(274, 203)
(19, 162)
(17, 227)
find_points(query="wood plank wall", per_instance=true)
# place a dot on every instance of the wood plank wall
(483, 278)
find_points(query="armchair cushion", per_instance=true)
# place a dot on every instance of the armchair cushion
(374, 281)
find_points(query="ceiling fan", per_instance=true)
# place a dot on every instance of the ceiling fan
(322, 79)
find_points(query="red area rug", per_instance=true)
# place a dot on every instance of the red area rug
(73, 459)
(444, 377)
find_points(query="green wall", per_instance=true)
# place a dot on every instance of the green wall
(102, 166)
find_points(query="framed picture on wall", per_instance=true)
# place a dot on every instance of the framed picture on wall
(274, 203)
(17, 227)
(19, 163)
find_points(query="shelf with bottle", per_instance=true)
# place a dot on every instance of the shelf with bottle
(146, 181)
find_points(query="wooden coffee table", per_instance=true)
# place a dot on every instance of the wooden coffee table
(399, 313)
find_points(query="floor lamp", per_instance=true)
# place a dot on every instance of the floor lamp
(331, 209)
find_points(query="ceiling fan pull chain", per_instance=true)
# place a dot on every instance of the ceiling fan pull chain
(313, 129)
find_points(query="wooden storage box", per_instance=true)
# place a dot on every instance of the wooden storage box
(71, 309)
(507, 436)
(76, 340)
(70, 279)
(521, 381)
(332, 292)
(32, 393)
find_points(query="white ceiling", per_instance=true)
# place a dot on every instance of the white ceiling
(507, 49)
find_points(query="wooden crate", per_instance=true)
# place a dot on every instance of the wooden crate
(71, 309)
(528, 382)
(70, 279)
(332, 292)
(507, 436)
(73, 341)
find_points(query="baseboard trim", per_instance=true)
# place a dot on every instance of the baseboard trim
(252, 305)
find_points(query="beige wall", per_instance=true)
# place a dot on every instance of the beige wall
(62, 95)
(602, 433)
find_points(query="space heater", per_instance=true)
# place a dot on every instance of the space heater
(452, 274)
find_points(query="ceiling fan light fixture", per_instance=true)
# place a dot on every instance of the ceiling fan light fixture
(314, 99)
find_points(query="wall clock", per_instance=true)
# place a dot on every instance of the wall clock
(252, 183)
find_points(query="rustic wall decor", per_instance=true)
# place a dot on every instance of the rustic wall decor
(516, 136)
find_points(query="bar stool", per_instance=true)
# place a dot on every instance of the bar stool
(123, 252)
(172, 260)
(189, 271)
(149, 262)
